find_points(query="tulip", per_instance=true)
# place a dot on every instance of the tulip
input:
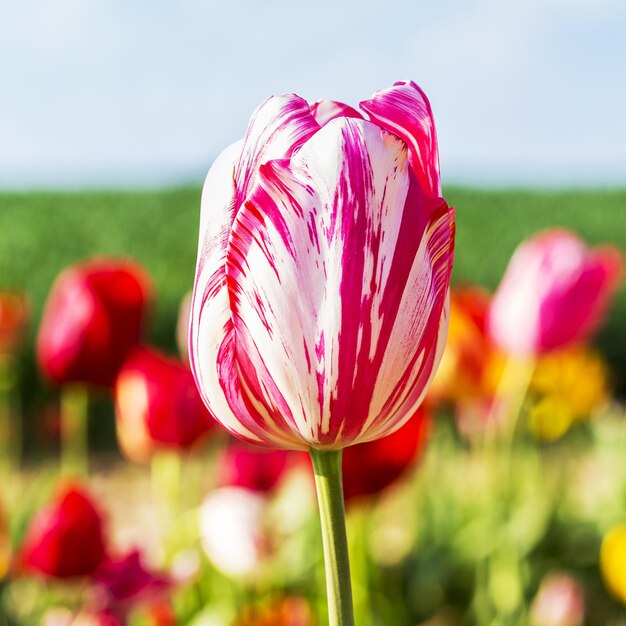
(319, 312)
(555, 292)
(123, 583)
(369, 468)
(233, 532)
(66, 538)
(92, 319)
(560, 601)
(251, 467)
(318, 315)
(14, 316)
(612, 559)
(157, 405)
(288, 611)
(568, 386)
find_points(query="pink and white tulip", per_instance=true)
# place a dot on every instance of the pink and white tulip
(319, 312)
(555, 292)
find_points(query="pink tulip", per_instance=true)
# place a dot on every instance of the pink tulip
(560, 601)
(319, 311)
(555, 292)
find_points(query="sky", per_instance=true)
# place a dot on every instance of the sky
(137, 93)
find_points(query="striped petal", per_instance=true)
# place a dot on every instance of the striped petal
(277, 129)
(210, 321)
(405, 111)
(338, 269)
(326, 110)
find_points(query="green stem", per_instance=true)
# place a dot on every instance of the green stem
(10, 425)
(328, 482)
(74, 445)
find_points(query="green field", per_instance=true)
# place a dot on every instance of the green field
(41, 233)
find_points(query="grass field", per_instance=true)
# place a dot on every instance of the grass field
(41, 233)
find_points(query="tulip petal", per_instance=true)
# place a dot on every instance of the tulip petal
(210, 308)
(405, 111)
(277, 129)
(342, 233)
(326, 110)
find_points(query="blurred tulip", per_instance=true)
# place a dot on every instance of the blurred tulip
(555, 292)
(560, 601)
(157, 405)
(567, 387)
(320, 304)
(289, 611)
(232, 530)
(461, 373)
(65, 539)
(369, 468)
(251, 467)
(14, 316)
(92, 319)
(125, 583)
(613, 561)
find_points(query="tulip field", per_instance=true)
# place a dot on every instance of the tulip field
(500, 499)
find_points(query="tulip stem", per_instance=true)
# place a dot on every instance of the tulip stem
(328, 482)
(74, 444)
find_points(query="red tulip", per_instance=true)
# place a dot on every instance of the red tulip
(319, 312)
(555, 292)
(92, 318)
(14, 315)
(252, 467)
(65, 539)
(157, 404)
(370, 468)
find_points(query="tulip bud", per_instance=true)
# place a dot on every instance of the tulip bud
(555, 292)
(319, 312)
(92, 319)
(65, 539)
(157, 404)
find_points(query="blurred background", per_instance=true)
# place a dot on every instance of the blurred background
(111, 114)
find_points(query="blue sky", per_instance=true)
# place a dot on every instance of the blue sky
(123, 92)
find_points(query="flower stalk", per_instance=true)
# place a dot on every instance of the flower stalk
(74, 435)
(328, 483)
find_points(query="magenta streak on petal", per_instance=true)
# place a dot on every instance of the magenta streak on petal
(405, 111)
(405, 392)
(276, 130)
(329, 294)
(358, 369)
(326, 110)
(232, 370)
